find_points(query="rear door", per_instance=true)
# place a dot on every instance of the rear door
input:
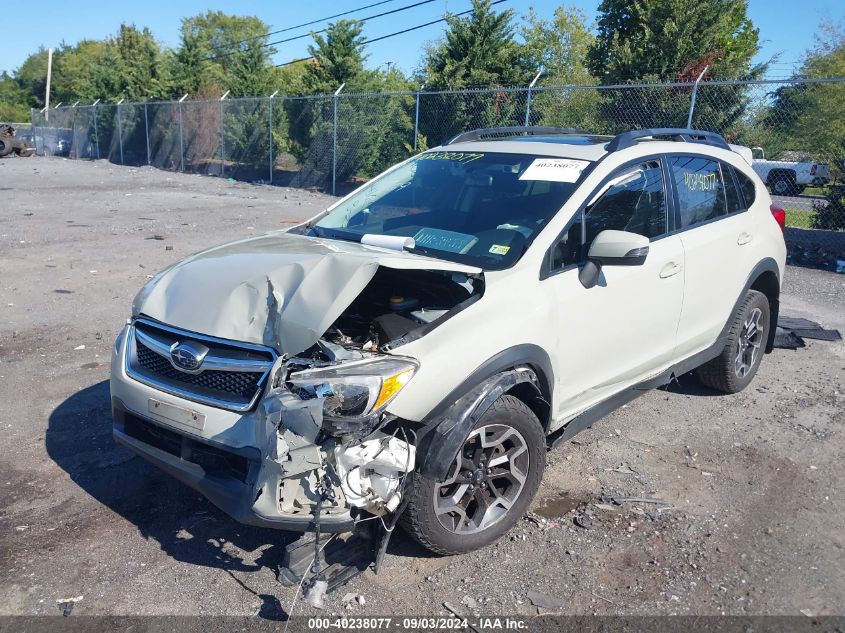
(714, 229)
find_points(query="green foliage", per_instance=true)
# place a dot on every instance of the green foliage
(830, 211)
(13, 106)
(337, 58)
(220, 52)
(477, 50)
(661, 39)
(371, 136)
(558, 46)
(808, 117)
(673, 40)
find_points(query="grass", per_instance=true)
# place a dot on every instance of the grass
(800, 218)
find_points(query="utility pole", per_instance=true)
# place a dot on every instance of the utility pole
(49, 77)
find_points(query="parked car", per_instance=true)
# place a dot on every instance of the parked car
(415, 348)
(790, 177)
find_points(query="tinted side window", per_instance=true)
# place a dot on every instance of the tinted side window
(635, 201)
(701, 192)
(732, 196)
(747, 187)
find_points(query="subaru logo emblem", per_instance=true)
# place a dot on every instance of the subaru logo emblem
(188, 356)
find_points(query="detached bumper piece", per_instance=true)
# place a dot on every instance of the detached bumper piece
(343, 558)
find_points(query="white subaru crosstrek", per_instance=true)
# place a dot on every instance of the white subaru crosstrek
(415, 349)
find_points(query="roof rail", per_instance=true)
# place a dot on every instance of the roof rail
(516, 130)
(629, 139)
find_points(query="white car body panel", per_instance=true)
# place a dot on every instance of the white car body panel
(283, 291)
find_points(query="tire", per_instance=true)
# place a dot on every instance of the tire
(733, 369)
(6, 146)
(510, 428)
(24, 152)
(783, 185)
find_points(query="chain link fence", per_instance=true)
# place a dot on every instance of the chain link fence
(334, 142)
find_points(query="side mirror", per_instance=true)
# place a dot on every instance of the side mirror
(619, 248)
(612, 248)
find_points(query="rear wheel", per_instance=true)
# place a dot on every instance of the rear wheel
(488, 487)
(784, 185)
(736, 366)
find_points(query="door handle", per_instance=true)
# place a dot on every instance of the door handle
(744, 238)
(669, 270)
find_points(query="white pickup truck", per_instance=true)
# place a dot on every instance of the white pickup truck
(788, 178)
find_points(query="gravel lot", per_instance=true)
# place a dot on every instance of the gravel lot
(754, 482)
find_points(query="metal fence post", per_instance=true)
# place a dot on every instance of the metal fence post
(147, 132)
(181, 139)
(96, 133)
(692, 99)
(222, 140)
(120, 131)
(417, 118)
(270, 121)
(528, 102)
(32, 129)
(334, 139)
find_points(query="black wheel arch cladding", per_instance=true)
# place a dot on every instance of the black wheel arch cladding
(522, 371)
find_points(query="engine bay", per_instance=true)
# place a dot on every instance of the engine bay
(393, 305)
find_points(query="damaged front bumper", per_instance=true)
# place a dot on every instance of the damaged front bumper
(270, 466)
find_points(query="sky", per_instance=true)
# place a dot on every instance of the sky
(787, 28)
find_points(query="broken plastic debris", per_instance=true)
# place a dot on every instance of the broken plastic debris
(66, 604)
(370, 472)
(316, 594)
(544, 601)
(79, 347)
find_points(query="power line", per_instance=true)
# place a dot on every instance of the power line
(402, 32)
(299, 37)
(304, 24)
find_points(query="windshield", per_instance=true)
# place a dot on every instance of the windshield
(481, 209)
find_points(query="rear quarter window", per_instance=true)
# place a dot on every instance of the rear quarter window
(732, 195)
(746, 185)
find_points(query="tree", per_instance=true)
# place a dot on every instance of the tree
(807, 117)
(477, 50)
(223, 52)
(337, 58)
(673, 40)
(558, 46)
(658, 39)
(142, 72)
(13, 101)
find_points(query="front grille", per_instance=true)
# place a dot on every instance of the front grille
(231, 376)
(214, 461)
(240, 384)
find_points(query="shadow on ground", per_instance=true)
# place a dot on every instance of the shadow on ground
(184, 524)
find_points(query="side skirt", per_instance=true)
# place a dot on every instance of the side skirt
(597, 412)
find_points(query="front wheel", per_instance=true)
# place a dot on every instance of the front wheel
(488, 487)
(733, 369)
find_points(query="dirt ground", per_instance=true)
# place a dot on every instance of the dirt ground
(753, 483)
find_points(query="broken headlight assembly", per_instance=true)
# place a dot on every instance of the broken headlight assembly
(354, 392)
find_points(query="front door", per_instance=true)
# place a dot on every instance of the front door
(622, 330)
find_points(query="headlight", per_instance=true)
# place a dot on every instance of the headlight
(356, 389)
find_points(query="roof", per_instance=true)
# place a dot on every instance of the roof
(572, 143)
(539, 146)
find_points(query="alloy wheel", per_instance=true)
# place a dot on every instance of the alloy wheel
(749, 343)
(485, 480)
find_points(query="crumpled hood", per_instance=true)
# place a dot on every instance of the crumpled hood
(282, 290)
